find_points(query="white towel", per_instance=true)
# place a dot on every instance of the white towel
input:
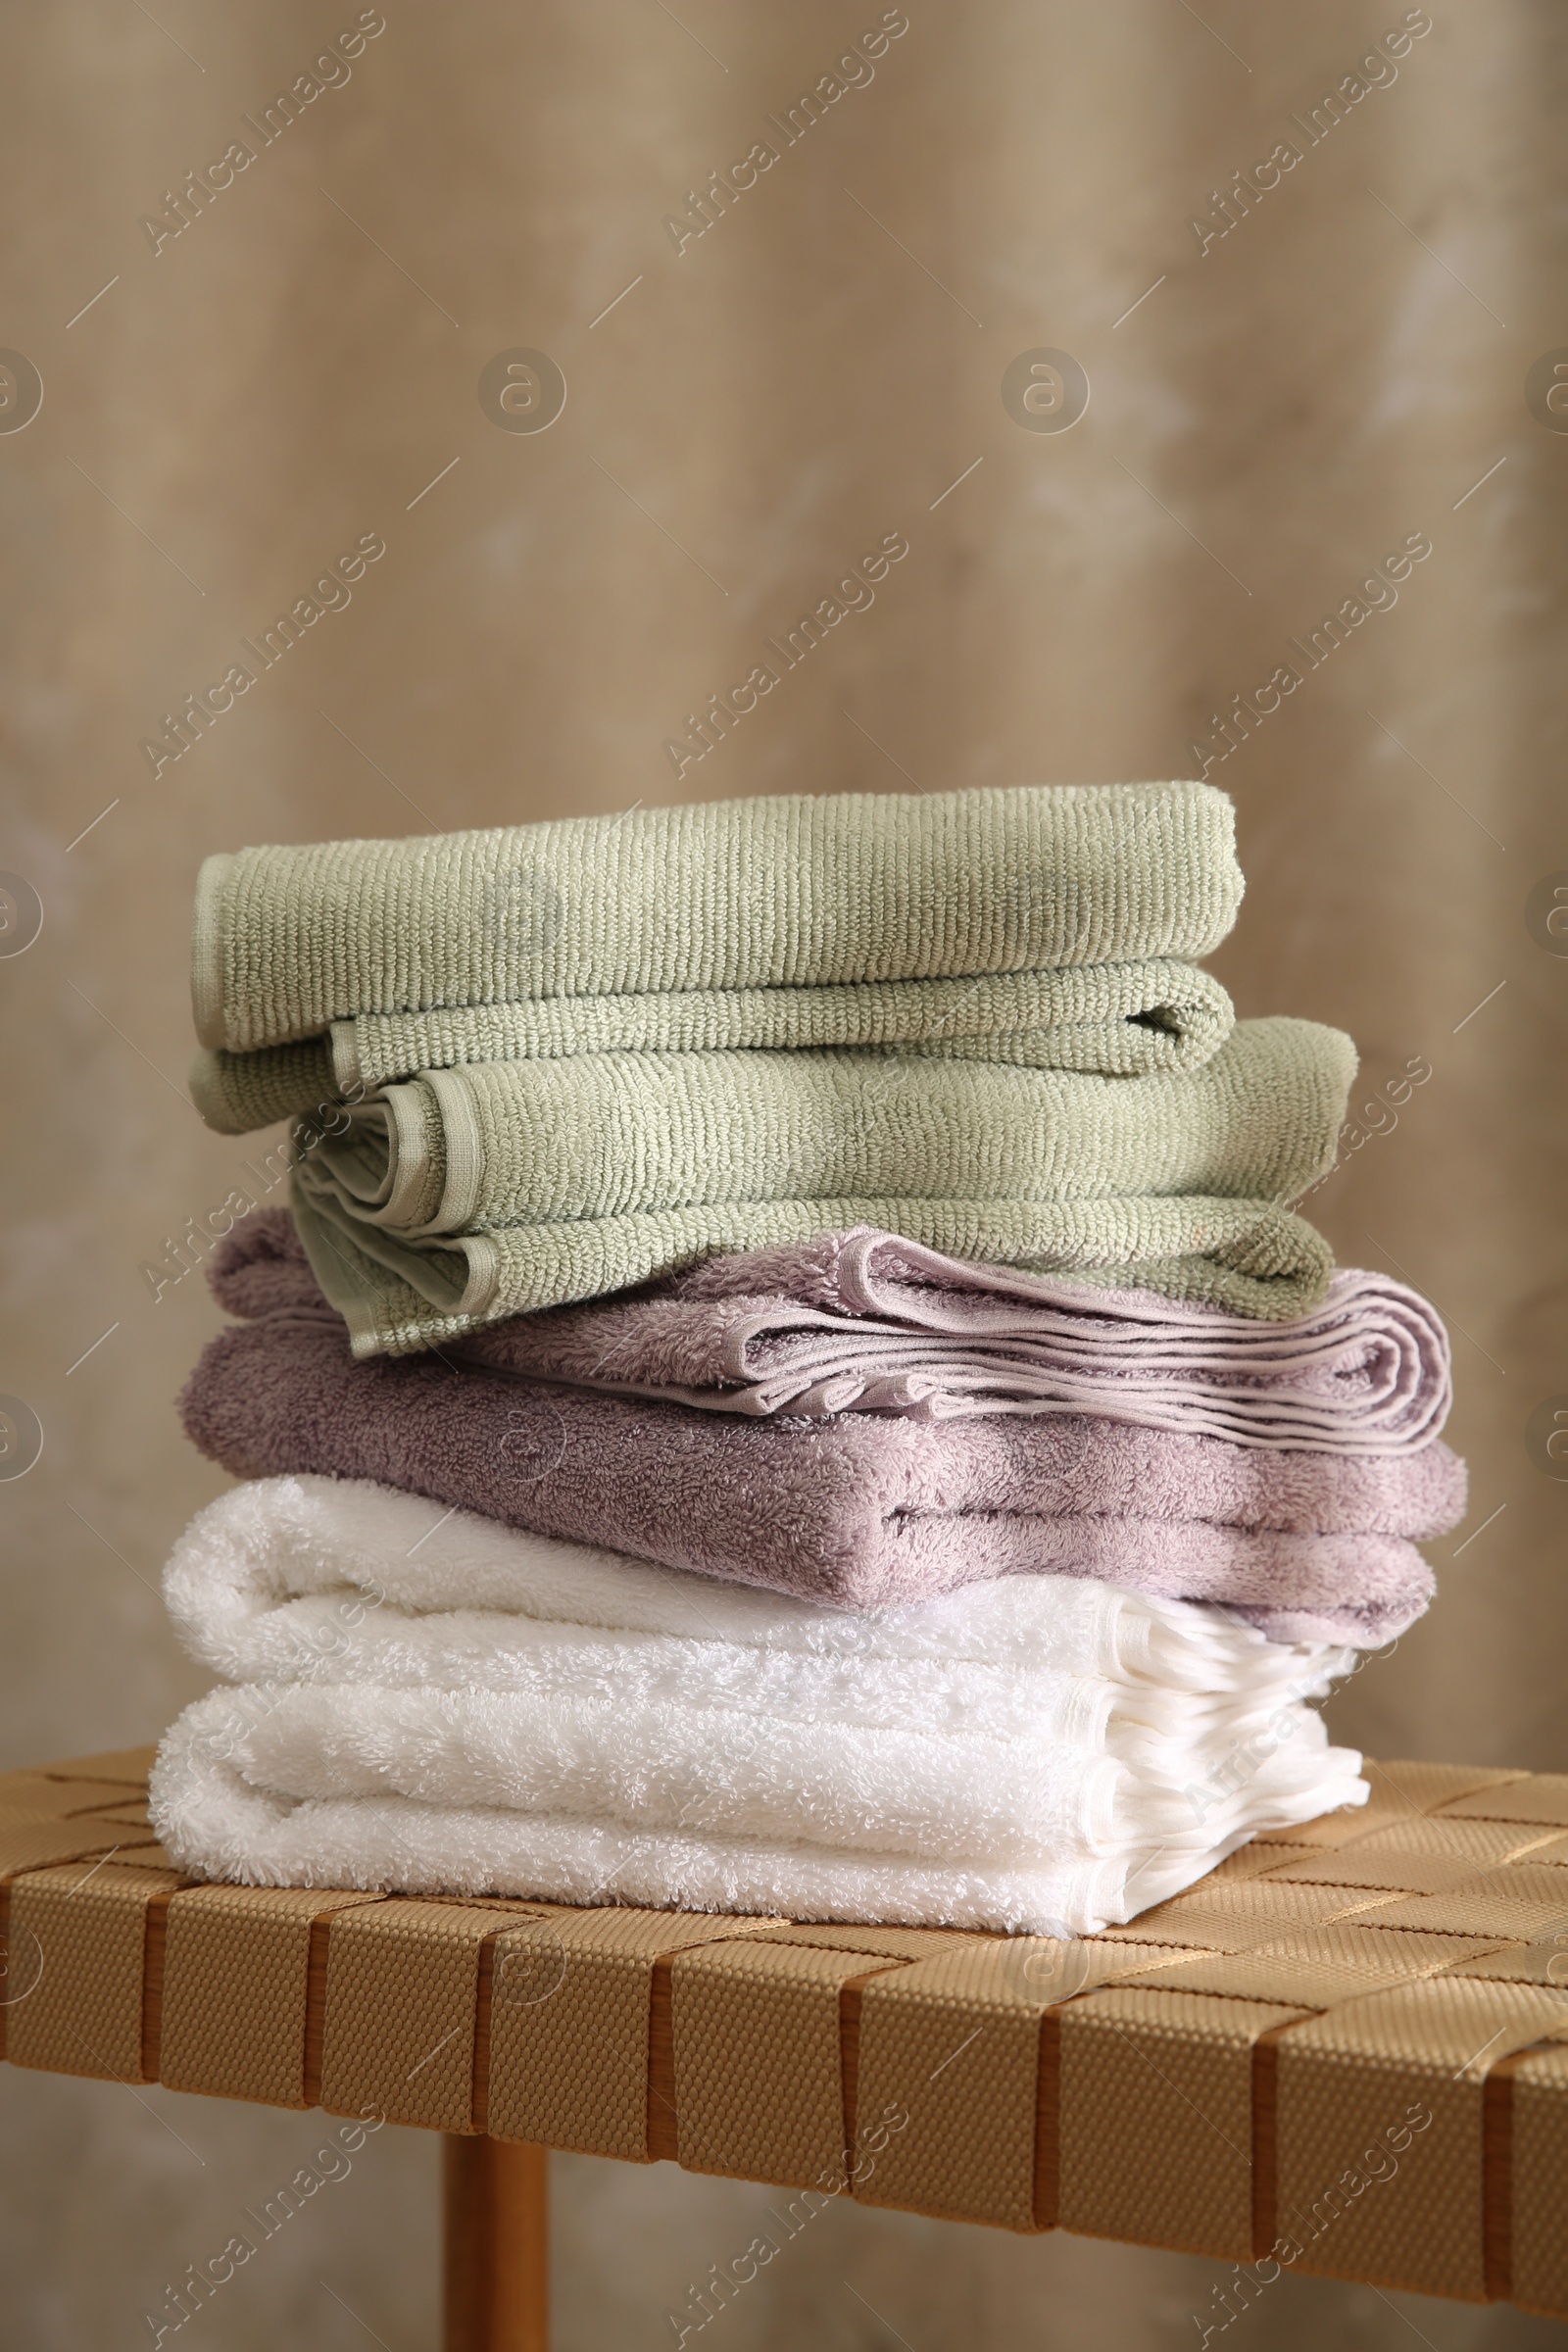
(432, 1703)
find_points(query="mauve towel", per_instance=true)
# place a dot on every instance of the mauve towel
(873, 1322)
(860, 1511)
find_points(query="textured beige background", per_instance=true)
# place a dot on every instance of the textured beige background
(816, 370)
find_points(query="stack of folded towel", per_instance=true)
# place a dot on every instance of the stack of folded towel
(864, 1202)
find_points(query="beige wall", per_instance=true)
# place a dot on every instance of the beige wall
(816, 370)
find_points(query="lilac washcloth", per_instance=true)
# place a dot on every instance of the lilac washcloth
(860, 1511)
(870, 1321)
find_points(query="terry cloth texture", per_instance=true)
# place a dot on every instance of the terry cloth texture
(1245, 1255)
(861, 1511)
(1119, 1019)
(432, 1703)
(870, 1322)
(786, 892)
(502, 1187)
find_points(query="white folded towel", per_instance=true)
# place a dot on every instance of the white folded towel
(433, 1702)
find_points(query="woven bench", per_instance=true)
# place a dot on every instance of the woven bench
(1345, 2052)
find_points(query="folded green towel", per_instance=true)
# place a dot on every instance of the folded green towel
(1121, 1019)
(239, 1092)
(786, 892)
(1249, 1257)
(496, 1188)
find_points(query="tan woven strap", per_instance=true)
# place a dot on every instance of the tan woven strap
(1535, 2209)
(949, 2075)
(31, 1796)
(28, 1844)
(948, 2069)
(402, 1999)
(1514, 1899)
(139, 1848)
(1313, 1968)
(571, 2027)
(1254, 1861)
(1528, 1797)
(128, 1813)
(1418, 1856)
(1331, 1830)
(1378, 2135)
(238, 1998)
(1169, 2076)
(96, 1934)
(728, 2001)
(1235, 1916)
(891, 1943)
(32, 1838)
(1519, 1964)
(33, 1845)
(128, 1765)
(1432, 1788)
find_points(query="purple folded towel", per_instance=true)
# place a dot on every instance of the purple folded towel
(872, 1322)
(859, 1511)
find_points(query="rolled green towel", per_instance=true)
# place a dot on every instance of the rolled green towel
(797, 892)
(1120, 1019)
(497, 1188)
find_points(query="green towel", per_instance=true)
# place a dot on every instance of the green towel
(789, 893)
(239, 1092)
(1120, 1019)
(496, 1188)
(1248, 1256)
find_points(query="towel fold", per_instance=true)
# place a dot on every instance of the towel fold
(1245, 1255)
(774, 892)
(499, 1187)
(490, 1145)
(871, 1322)
(859, 1511)
(451, 1707)
(1118, 1020)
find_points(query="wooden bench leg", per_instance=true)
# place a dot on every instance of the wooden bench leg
(495, 2253)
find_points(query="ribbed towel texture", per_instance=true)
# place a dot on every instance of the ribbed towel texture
(1248, 1256)
(1120, 1019)
(430, 1703)
(861, 1511)
(496, 1188)
(783, 893)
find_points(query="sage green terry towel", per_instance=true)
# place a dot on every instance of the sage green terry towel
(1118, 1020)
(796, 892)
(1249, 1257)
(469, 1184)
